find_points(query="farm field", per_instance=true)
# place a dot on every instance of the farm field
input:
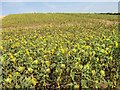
(60, 51)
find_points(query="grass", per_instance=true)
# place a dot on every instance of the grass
(60, 51)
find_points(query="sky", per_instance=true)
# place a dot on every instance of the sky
(60, 0)
(58, 7)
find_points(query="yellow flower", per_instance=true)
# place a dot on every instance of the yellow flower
(13, 46)
(87, 47)
(17, 44)
(12, 58)
(8, 80)
(42, 61)
(111, 58)
(87, 66)
(62, 65)
(87, 38)
(74, 50)
(27, 52)
(102, 72)
(1, 47)
(56, 45)
(32, 45)
(53, 51)
(93, 72)
(76, 64)
(17, 73)
(30, 70)
(40, 37)
(106, 52)
(94, 52)
(47, 63)
(25, 41)
(116, 44)
(21, 68)
(35, 62)
(45, 56)
(48, 70)
(97, 59)
(10, 40)
(63, 51)
(42, 49)
(76, 87)
(10, 75)
(96, 81)
(69, 53)
(91, 36)
(34, 81)
(110, 46)
(90, 53)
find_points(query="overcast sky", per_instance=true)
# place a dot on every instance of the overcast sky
(73, 7)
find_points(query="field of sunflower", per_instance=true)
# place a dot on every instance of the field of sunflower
(60, 51)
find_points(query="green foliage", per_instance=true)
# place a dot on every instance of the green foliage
(60, 51)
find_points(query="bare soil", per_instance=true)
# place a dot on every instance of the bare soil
(1, 17)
